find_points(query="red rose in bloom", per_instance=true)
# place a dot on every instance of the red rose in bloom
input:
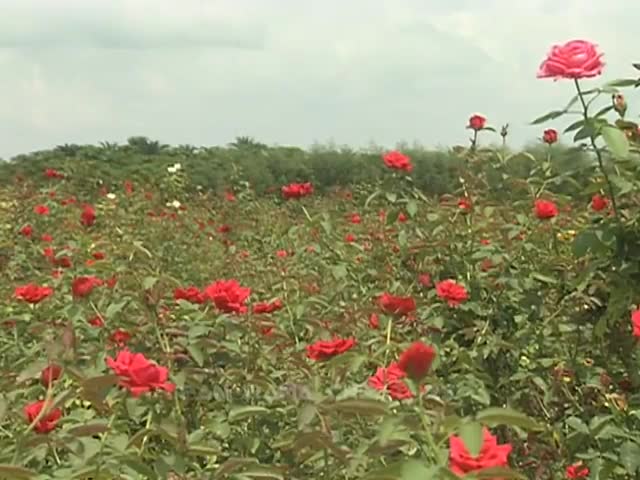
(355, 218)
(491, 455)
(452, 292)
(139, 375)
(397, 161)
(84, 285)
(464, 204)
(382, 215)
(46, 238)
(396, 305)
(48, 422)
(268, 307)
(111, 282)
(425, 280)
(98, 255)
(88, 216)
(374, 321)
(349, 238)
(545, 209)
(128, 187)
(599, 203)
(485, 241)
(41, 209)
(574, 59)
(282, 253)
(416, 360)
(477, 122)
(64, 262)
(68, 201)
(228, 296)
(402, 217)
(120, 337)
(224, 229)
(27, 230)
(190, 294)
(229, 196)
(96, 321)
(390, 379)
(297, 190)
(50, 374)
(325, 349)
(32, 293)
(51, 173)
(48, 252)
(577, 470)
(635, 323)
(550, 136)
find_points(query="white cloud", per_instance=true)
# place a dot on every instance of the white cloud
(285, 71)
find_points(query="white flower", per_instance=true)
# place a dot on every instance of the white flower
(174, 204)
(111, 196)
(177, 166)
(171, 169)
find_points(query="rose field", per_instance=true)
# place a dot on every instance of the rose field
(252, 312)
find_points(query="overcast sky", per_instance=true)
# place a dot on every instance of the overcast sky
(289, 71)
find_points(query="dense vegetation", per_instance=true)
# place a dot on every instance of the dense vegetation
(168, 313)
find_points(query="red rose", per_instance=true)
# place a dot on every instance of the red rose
(599, 203)
(48, 422)
(229, 196)
(545, 209)
(416, 360)
(50, 374)
(397, 161)
(464, 204)
(577, 470)
(26, 231)
(325, 349)
(228, 296)
(98, 255)
(477, 122)
(374, 321)
(550, 136)
(51, 173)
(32, 293)
(355, 218)
(574, 59)
(88, 216)
(452, 292)
(349, 238)
(297, 190)
(402, 217)
(635, 323)
(96, 321)
(46, 238)
(391, 380)
(491, 455)
(84, 285)
(190, 294)
(139, 375)
(268, 307)
(128, 187)
(425, 280)
(120, 337)
(282, 253)
(41, 209)
(396, 305)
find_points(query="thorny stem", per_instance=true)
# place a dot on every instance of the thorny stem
(585, 114)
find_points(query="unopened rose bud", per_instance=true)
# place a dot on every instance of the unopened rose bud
(504, 131)
(619, 103)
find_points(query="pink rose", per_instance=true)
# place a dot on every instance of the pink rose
(574, 59)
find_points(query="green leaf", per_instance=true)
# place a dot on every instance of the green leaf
(148, 282)
(391, 197)
(339, 272)
(247, 411)
(630, 456)
(548, 116)
(616, 140)
(359, 406)
(543, 278)
(371, 197)
(574, 126)
(622, 82)
(196, 353)
(96, 389)
(14, 472)
(114, 308)
(412, 208)
(506, 416)
(136, 464)
(495, 472)
(584, 243)
(472, 436)
(578, 425)
(88, 430)
(623, 185)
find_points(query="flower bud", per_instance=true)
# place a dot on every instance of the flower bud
(619, 103)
